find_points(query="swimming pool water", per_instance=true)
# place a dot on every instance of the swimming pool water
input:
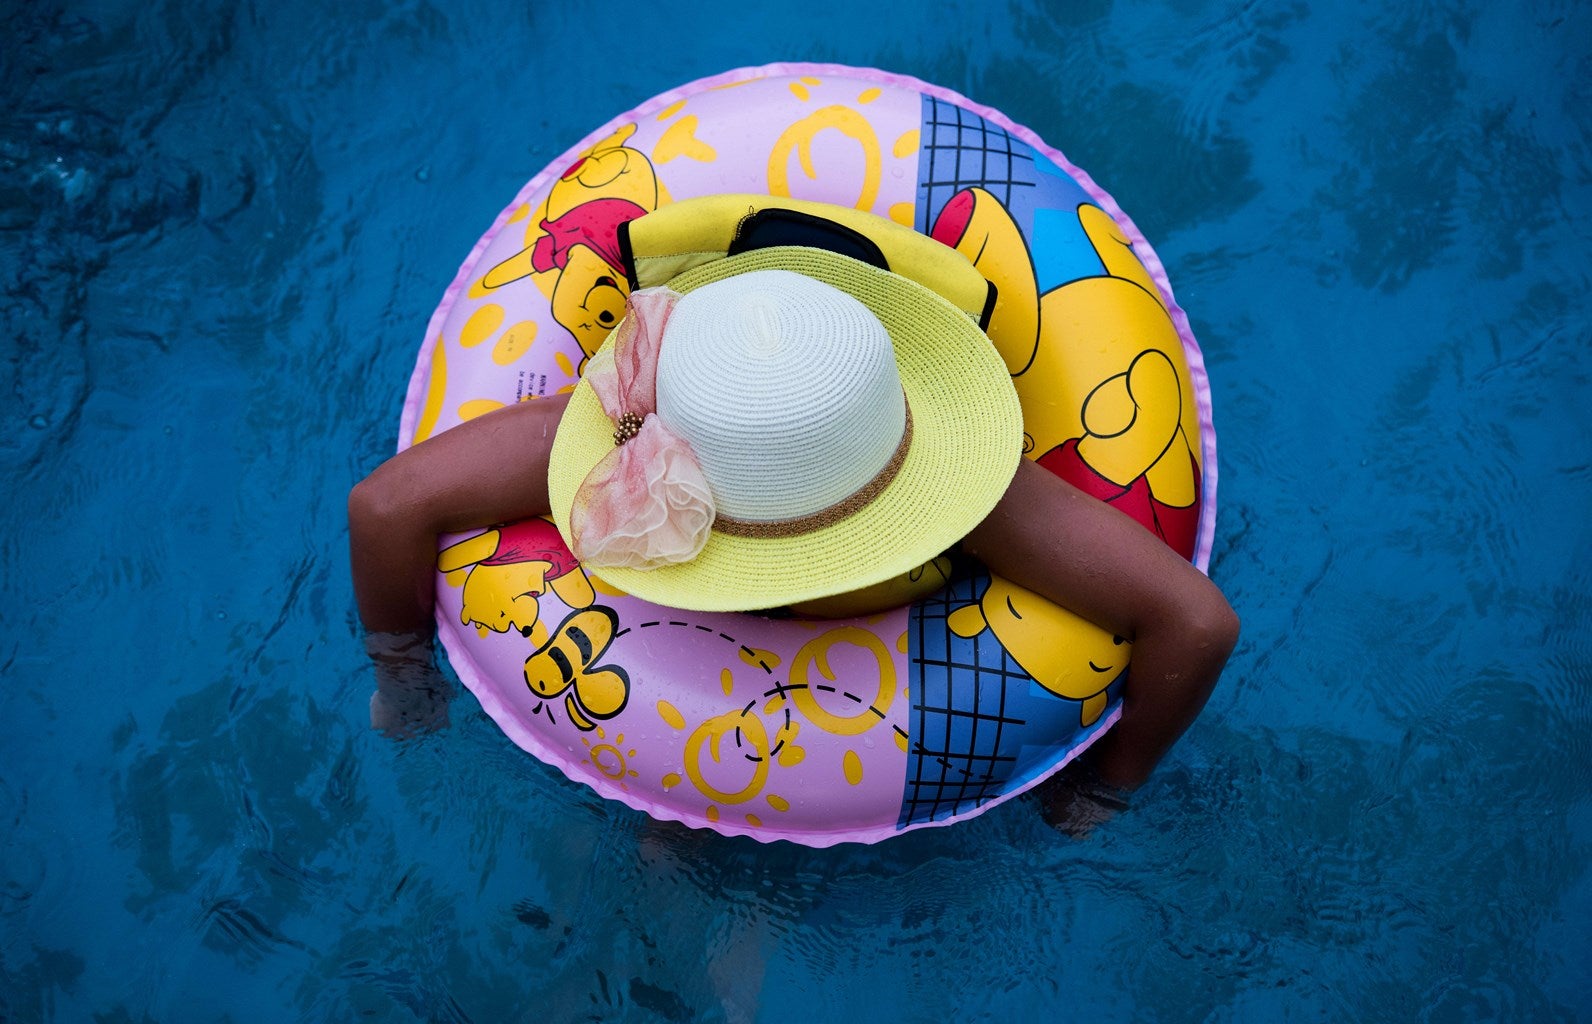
(222, 228)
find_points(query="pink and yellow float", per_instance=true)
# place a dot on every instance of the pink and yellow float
(815, 729)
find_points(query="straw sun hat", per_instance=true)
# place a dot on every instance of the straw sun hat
(791, 424)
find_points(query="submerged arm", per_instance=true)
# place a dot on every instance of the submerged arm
(1091, 559)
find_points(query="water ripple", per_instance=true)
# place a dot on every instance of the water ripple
(230, 925)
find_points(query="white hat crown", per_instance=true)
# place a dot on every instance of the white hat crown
(787, 390)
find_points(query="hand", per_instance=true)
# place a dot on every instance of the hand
(1076, 800)
(411, 693)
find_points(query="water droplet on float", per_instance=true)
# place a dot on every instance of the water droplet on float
(423, 175)
(38, 421)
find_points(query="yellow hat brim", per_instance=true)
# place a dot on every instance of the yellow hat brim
(966, 443)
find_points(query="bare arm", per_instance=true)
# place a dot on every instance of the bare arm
(1087, 557)
(489, 470)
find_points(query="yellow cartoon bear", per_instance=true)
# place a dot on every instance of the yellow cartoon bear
(509, 569)
(573, 246)
(1098, 365)
(1064, 654)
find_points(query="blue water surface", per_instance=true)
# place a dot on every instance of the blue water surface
(222, 229)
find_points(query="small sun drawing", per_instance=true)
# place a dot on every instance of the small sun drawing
(611, 758)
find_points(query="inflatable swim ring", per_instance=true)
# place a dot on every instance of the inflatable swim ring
(816, 730)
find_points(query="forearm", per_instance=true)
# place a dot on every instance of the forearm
(392, 560)
(1171, 676)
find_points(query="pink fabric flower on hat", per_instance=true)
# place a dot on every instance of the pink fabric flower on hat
(647, 503)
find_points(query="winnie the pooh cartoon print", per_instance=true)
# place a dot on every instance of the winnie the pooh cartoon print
(1109, 409)
(576, 241)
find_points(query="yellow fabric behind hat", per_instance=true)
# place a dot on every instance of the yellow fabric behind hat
(682, 236)
(966, 444)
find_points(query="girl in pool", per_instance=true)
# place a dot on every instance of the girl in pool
(793, 428)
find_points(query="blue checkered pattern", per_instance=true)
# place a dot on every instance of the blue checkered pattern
(980, 725)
